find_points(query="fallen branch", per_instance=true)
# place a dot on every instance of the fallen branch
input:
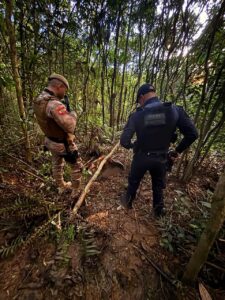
(93, 178)
(88, 162)
(32, 174)
(23, 162)
(166, 276)
(215, 266)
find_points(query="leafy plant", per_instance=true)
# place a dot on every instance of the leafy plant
(7, 250)
(87, 242)
(28, 207)
(23, 242)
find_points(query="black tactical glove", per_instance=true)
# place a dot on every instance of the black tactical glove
(171, 155)
(71, 157)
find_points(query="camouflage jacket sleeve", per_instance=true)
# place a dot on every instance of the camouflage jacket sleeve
(56, 110)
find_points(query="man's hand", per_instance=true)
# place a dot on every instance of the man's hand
(71, 142)
(70, 138)
(173, 155)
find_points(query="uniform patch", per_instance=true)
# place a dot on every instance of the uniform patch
(155, 119)
(61, 110)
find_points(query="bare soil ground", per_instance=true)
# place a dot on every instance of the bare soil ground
(109, 253)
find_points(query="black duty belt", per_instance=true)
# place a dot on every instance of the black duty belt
(155, 153)
(57, 140)
(70, 157)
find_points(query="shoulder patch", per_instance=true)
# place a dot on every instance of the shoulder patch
(61, 110)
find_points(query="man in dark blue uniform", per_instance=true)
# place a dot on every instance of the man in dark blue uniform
(154, 123)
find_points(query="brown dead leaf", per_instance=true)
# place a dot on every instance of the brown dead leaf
(116, 163)
(204, 293)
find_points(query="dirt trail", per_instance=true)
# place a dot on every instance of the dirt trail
(119, 271)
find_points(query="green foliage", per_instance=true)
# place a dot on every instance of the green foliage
(86, 173)
(64, 237)
(28, 208)
(87, 241)
(5, 79)
(24, 241)
(45, 169)
(8, 250)
(91, 43)
(67, 234)
(39, 231)
(179, 229)
(26, 214)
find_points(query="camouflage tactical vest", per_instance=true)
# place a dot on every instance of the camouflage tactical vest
(48, 125)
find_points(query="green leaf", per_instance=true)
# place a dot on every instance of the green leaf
(193, 226)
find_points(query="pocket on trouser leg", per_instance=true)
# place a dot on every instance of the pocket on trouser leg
(76, 181)
(57, 170)
(76, 178)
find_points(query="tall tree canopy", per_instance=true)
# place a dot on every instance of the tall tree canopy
(106, 49)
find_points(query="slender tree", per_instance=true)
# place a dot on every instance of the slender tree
(15, 72)
(209, 234)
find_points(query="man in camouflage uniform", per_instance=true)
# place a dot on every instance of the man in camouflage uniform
(58, 125)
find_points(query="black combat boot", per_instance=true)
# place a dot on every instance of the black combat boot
(159, 211)
(126, 201)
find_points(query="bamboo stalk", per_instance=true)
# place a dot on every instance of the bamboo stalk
(93, 178)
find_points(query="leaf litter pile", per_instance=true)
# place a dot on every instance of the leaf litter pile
(103, 252)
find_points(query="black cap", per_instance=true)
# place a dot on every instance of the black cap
(144, 89)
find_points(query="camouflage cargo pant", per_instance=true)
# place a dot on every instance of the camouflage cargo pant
(58, 163)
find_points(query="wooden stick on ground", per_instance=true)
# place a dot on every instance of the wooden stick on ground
(93, 178)
(166, 276)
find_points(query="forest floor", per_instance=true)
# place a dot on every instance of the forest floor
(107, 252)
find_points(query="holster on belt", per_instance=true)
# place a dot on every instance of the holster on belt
(70, 156)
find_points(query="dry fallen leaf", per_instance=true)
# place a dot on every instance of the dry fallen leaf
(204, 293)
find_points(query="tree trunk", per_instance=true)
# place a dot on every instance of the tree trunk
(205, 133)
(113, 94)
(209, 234)
(16, 76)
(102, 94)
(124, 68)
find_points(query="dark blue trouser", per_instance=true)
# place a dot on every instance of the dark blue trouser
(156, 165)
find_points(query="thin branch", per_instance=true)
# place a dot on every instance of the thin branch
(87, 188)
(166, 276)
